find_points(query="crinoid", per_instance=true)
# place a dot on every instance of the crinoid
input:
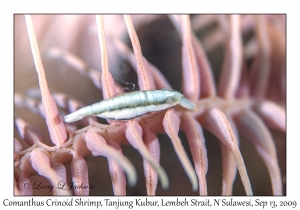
(249, 98)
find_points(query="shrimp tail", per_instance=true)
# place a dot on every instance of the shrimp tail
(75, 116)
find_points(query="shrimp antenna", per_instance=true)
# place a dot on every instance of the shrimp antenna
(127, 89)
(181, 87)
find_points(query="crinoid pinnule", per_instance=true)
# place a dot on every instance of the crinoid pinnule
(246, 53)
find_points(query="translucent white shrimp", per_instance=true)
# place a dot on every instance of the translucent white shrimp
(131, 105)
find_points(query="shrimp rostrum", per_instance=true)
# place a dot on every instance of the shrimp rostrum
(131, 105)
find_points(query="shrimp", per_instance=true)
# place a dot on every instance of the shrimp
(131, 105)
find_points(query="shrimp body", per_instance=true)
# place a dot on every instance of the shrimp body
(131, 105)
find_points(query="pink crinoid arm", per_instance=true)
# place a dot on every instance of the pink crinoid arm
(108, 88)
(150, 147)
(56, 127)
(247, 101)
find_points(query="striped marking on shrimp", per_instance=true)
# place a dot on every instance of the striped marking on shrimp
(131, 105)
